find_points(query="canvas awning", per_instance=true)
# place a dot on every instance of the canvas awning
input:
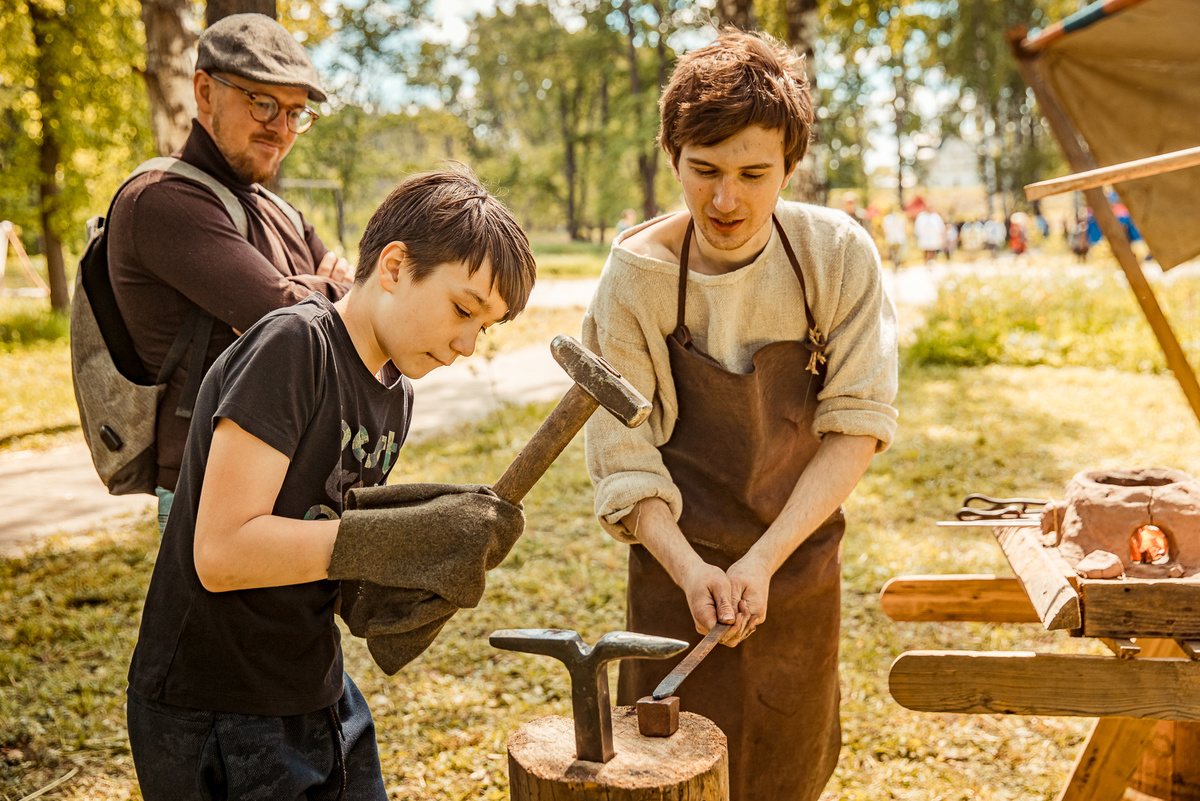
(1127, 74)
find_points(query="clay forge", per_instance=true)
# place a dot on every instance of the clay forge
(1136, 523)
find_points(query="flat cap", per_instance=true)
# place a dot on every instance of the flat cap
(257, 47)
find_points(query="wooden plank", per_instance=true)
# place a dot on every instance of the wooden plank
(1025, 683)
(1049, 591)
(965, 598)
(1141, 607)
(1115, 173)
(1113, 750)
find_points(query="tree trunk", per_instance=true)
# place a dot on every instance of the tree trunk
(647, 154)
(808, 183)
(648, 169)
(60, 299)
(984, 109)
(49, 157)
(168, 74)
(219, 9)
(739, 13)
(569, 169)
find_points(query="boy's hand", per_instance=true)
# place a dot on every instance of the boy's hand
(437, 537)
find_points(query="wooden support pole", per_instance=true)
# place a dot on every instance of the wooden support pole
(1080, 160)
(693, 763)
(1113, 750)
(1107, 760)
(1116, 173)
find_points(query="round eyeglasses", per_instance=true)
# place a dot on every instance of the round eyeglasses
(264, 108)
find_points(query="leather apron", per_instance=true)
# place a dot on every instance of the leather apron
(739, 446)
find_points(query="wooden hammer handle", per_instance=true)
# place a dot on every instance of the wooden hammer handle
(555, 433)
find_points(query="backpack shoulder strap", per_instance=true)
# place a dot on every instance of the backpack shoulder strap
(285, 207)
(197, 325)
(181, 168)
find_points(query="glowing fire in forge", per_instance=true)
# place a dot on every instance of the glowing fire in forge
(1149, 546)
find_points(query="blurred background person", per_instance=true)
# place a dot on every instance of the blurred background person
(930, 230)
(895, 235)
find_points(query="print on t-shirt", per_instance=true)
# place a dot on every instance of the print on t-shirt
(357, 468)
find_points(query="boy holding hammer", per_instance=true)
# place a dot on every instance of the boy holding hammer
(236, 688)
(761, 330)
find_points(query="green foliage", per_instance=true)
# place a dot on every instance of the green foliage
(368, 154)
(957, 49)
(972, 53)
(1086, 317)
(81, 87)
(375, 44)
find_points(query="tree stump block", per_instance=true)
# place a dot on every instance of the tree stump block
(690, 765)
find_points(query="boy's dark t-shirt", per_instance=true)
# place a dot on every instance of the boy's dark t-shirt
(295, 381)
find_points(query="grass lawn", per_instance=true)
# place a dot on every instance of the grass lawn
(68, 614)
(564, 259)
(37, 405)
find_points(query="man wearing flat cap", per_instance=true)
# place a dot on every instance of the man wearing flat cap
(178, 260)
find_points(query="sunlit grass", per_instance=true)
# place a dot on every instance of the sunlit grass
(68, 614)
(586, 262)
(1068, 315)
(37, 404)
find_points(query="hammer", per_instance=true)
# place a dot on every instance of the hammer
(597, 383)
(588, 668)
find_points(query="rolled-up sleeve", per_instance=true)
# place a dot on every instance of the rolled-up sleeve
(625, 464)
(861, 378)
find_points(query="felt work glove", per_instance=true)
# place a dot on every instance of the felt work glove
(410, 555)
(434, 537)
(398, 623)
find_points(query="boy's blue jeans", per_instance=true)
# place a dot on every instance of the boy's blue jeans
(165, 498)
(193, 754)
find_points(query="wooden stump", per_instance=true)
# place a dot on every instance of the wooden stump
(690, 765)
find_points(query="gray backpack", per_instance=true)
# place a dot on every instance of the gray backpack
(117, 398)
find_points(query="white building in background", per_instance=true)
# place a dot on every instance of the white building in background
(953, 164)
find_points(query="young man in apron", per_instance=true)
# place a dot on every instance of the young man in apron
(761, 330)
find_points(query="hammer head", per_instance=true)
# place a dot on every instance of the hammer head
(588, 667)
(600, 380)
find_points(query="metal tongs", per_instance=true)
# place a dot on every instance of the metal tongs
(984, 510)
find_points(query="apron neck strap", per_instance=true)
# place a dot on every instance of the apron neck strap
(683, 273)
(815, 343)
(791, 254)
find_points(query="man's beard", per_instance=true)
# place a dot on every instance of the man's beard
(244, 167)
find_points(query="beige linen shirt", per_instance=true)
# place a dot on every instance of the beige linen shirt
(730, 317)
